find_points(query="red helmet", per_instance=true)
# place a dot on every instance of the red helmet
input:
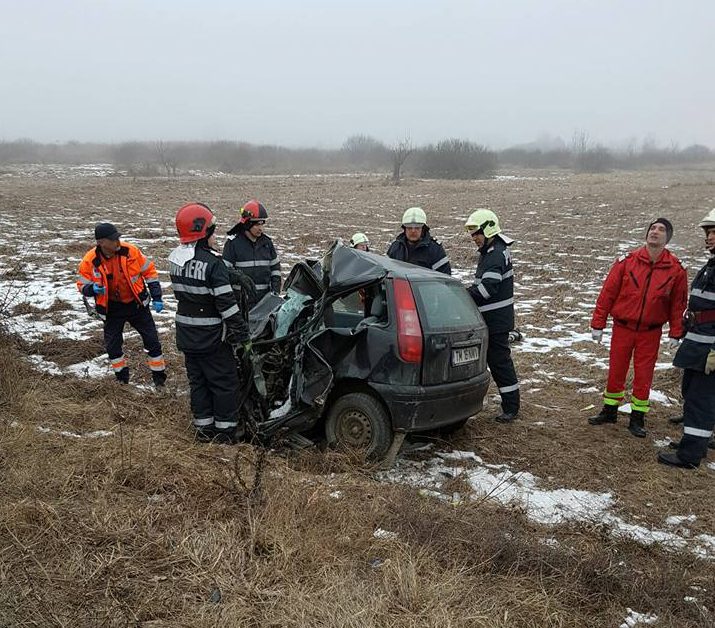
(194, 222)
(253, 211)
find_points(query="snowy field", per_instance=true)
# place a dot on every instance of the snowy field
(568, 231)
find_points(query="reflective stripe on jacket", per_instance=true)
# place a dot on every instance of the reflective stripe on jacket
(427, 252)
(699, 337)
(642, 295)
(259, 260)
(493, 287)
(207, 312)
(138, 270)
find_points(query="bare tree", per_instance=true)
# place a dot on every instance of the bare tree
(400, 151)
(166, 158)
(580, 143)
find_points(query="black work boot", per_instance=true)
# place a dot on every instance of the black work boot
(636, 426)
(608, 414)
(676, 443)
(506, 417)
(123, 375)
(673, 460)
(159, 378)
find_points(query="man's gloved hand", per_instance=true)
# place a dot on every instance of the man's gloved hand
(158, 306)
(710, 362)
(246, 283)
(98, 289)
(673, 343)
(597, 335)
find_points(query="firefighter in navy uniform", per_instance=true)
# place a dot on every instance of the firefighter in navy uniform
(493, 292)
(122, 281)
(251, 252)
(696, 356)
(210, 330)
(416, 246)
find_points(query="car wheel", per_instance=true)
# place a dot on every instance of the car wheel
(358, 421)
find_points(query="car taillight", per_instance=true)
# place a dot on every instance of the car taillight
(409, 331)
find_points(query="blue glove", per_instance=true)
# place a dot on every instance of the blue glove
(97, 289)
(158, 306)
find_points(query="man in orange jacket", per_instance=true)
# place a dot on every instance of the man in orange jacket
(122, 282)
(644, 289)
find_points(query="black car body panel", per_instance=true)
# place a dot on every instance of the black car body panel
(338, 329)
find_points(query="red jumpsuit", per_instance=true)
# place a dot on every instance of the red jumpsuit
(640, 296)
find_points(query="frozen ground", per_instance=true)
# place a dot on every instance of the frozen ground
(568, 231)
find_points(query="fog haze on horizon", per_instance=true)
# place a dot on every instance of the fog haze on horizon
(315, 72)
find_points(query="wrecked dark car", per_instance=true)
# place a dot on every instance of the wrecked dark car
(362, 349)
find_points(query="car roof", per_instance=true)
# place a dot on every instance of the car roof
(351, 269)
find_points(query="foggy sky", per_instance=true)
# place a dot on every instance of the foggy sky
(311, 73)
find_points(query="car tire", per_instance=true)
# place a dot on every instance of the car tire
(359, 422)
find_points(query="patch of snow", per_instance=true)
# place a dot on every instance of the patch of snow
(664, 442)
(336, 494)
(545, 506)
(590, 389)
(662, 398)
(677, 520)
(386, 535)
(634, 618)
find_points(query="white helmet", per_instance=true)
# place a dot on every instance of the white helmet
(709, 220)
(414, 217)
(359, 238)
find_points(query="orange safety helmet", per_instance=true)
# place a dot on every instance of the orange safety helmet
(253, 211)
(194, 221)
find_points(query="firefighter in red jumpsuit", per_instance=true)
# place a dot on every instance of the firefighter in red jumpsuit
(644, 289)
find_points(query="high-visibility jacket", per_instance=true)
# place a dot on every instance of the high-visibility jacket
(493, 287)
(642, 295)
(700, 335)
(426, 252)
(259, 260)
(137, 270)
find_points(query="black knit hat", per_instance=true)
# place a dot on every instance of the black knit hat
(106, 230)
(668, 228)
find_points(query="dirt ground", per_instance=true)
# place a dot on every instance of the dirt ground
(568, 230)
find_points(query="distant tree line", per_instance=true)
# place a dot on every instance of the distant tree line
(447, 159)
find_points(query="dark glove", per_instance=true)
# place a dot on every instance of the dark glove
(246, 283)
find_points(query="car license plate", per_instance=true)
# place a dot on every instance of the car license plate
(465, 355)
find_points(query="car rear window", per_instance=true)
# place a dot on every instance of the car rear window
(444, 306)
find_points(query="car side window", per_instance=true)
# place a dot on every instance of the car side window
(366, 305)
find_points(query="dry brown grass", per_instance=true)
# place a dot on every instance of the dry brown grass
(145, 528)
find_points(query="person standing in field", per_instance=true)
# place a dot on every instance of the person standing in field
(416, 246)
(251, 252)
(643, 290)
(211, 331)
(696, 356)
(493, 293)
(123, 281)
